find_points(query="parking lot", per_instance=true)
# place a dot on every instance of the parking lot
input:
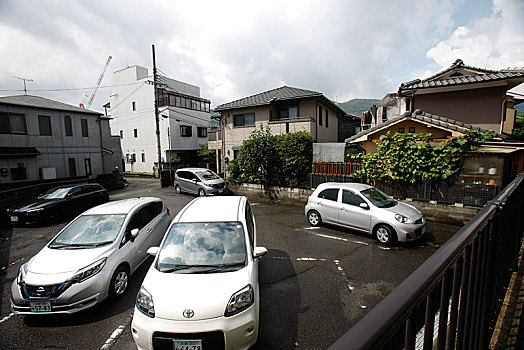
(315, 282)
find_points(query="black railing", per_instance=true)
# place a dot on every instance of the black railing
(447, 193)
(454, 298)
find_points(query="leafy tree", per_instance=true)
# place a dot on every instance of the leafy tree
(518, 129)
(206, 155)
(295, 153)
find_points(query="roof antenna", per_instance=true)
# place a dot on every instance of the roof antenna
(24, 79)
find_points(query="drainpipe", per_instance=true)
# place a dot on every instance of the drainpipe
(99, 121)
(503, 116)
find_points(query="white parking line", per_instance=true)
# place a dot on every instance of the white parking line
(116, 333)
(340, 239)
(11, 264)
(311, 228)
(7, 317)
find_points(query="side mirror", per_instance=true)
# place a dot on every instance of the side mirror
(364, 206)
(260, 251)
(153, 251)
(134, 233)
(68, 196)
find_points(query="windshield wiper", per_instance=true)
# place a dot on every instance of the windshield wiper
(78, 245)
(205, 268)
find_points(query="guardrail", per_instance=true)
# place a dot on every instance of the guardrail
(454, 298)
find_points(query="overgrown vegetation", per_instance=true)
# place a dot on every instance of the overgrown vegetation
(282, 160)
(410, 157)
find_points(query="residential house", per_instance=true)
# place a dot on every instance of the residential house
(43, 139)
(183, 122)
(283, 110)
(495, 163)
(471, 95)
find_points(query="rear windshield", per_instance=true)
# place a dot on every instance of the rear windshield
(203, 243)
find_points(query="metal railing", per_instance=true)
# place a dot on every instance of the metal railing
(454, 298)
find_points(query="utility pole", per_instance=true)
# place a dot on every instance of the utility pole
(24, 79)
(157, 120)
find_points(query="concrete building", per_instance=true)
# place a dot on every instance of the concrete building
(283, 110)
(184, 119)
(42, 139)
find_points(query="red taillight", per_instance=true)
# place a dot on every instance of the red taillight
(307, 200)
(168, 212)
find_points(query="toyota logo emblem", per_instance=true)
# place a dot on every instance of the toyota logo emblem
(188, 313)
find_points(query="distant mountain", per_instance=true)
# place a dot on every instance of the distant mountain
(520, 108)
(357, 105)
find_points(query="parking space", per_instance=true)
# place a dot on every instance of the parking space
(315, 282)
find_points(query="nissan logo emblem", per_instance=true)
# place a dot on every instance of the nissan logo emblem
(188, 313)
(40, 290)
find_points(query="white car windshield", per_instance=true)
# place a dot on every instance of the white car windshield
(90, 231)
(202, 244)
(55, 193)
(207, 175)
(379, 198)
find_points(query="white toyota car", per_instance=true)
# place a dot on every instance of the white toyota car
(202, 291)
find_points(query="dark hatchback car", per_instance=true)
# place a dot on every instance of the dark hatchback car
(59, 202)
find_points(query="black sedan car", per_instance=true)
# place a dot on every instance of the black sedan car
(58, 202)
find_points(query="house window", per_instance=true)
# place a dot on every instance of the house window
(412, 129)
(19, 173)
(185, 130)
(130, 158)
(11, 123)
(235, 153)
(384, 114)
(401, 130)
(133, 105)
(121, 134)
(408, 105)
(327, 119)
(44, 123)
(143, 157)
(202, 132)
(290, 112)
(68, 125)
(85, 132)
(135, 132)
(244, 119)
(319, 115)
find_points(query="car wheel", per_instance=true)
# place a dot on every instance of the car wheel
(177, 189)
(201, 192)
(314, 218)
(385, 235)
(119, 282)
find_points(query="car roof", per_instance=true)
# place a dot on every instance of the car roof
(192, 169)
(208, 209)
(123, 206)
(349, 185)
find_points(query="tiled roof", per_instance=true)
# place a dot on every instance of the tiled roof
(42, 102)
(436, 120)
(465, 79)
(265, 98)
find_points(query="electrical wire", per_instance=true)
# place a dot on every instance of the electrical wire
(74, 89)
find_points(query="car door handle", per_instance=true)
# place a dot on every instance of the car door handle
(149, 230)
(342, 208)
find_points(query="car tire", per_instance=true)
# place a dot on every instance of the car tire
(201, 192)
(177, 189)
(385, 235)
(314, 218)
(119, 282)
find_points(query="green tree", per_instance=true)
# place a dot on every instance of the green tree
(206, 155)
(518, 128)
(295, 153)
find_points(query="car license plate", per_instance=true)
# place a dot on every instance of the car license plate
(188, 345)
(14, 218)
(40, 306)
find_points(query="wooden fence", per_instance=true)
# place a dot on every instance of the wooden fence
(336, 168)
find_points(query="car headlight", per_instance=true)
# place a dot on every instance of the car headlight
(88, 271)
(240, 301)
(35, 211)
(403, 219)
(22, 273)
(144, 303)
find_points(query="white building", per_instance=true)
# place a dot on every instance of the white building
(184, 119)
(42, 139)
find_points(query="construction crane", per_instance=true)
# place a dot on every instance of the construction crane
(92, 97)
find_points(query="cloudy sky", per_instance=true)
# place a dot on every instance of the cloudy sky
(233, 49)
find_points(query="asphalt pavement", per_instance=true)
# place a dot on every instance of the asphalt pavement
(315, 282)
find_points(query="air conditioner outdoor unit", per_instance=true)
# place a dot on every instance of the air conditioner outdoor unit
(47, 173)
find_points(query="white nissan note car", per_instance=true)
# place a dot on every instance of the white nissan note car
(202, 291)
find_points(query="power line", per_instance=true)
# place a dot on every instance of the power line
(74, 89)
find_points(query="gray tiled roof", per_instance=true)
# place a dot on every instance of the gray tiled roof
(447, 123)
(265, 98)
(42, 102)
(465, 79)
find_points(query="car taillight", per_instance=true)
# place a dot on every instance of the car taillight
(307, 200)
(168, 212)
